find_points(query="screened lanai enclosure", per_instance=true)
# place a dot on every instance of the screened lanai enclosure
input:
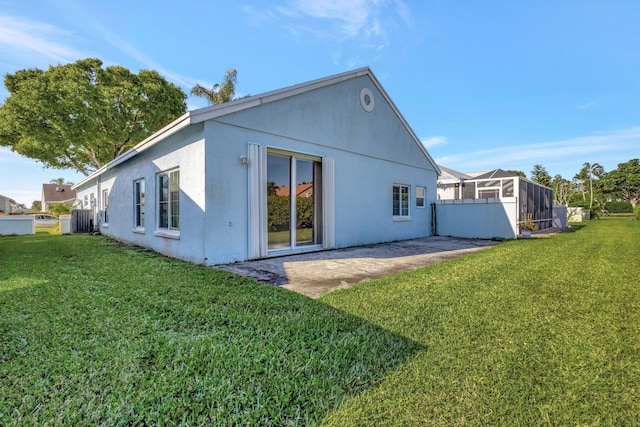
(535, 201)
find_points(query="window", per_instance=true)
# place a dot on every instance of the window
(86, 202)
(400, 201)
(420, 192)
(169, 200)
(138, 201)
(105, 206)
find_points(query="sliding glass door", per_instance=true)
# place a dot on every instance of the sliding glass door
(294, 210)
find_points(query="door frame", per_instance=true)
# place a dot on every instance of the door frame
(257, 201)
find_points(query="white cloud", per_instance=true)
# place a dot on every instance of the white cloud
(589, 105)
(434, 140)
(352, 17)
(365, 21)
(21, 38)
(124, 46)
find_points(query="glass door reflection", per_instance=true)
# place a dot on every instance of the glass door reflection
(294, 202)
(279, 201)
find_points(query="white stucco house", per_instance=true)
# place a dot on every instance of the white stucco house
(7, 205)
(213, 187)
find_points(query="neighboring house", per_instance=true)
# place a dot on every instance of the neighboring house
(57, 193)
(302, 190)
(203, 188)
(451, 184)
(7, 205)
(534, 201)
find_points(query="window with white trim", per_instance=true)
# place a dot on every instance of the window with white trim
(105, 206)
(420, 196)
(169, 200)
(400, 201)
(138, 204)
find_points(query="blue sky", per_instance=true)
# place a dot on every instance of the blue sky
(485, 85)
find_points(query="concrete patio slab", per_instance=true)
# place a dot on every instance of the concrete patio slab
(315, 273)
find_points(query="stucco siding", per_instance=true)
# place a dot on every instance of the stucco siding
(226, 193)
(364, 208)
(333, 117)
(363, 193)
(185, 151)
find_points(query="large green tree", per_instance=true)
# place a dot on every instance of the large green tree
(219, 93)
(81, 116)
(540, 175)
(624, 182)
(517, 172)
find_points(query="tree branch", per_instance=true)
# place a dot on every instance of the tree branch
(79, 167)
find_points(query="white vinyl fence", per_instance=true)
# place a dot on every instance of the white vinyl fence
(478, 218)
(17, 224)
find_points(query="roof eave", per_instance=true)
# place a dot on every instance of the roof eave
(212, 112)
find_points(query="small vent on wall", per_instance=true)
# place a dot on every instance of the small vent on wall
(366, 99)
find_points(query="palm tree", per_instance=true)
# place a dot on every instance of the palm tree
(587, 173)
(60, 181)
(219, 93)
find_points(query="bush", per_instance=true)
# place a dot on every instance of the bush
(619, 207)
(636, 212)
(279, 212)
(58, 209)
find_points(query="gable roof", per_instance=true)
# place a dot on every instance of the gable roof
(9, 199)
(214, 111)
(56, 193)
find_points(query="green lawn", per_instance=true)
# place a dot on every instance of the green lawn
(539, 331)
(284, 237)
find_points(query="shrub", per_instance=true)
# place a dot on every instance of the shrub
(636, 212)
(619, 207)
(58, 209)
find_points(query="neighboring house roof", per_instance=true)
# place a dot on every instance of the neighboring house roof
(496, 173)
(302, 190)
(56, 193)
(215, 111)
(7, 204)
(448, 174)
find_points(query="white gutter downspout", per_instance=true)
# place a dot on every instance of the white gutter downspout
(96, 225)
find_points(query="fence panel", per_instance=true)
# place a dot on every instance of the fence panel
(81, 221)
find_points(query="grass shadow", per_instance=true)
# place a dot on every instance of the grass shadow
(95, 332)
(574, 227)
